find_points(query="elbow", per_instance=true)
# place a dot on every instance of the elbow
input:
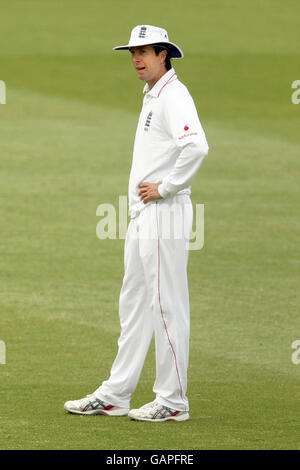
(203, 149)
(199, 149)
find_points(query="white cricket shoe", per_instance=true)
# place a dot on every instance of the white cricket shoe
(157, 413)
(90, 405)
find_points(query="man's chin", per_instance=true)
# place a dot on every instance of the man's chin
(142, 75)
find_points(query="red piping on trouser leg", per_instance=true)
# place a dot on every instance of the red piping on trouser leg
(161, 310)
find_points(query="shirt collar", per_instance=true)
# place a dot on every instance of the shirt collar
(155, 91)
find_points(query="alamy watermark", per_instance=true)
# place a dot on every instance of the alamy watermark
(167, 223)
(296, 354)
(296, 94)
(2, 92)
(2, 352)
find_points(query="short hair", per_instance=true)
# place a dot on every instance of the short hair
(158, 49)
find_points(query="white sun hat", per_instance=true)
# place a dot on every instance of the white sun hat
(144, 35)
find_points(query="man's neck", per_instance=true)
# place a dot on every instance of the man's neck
(151, 83)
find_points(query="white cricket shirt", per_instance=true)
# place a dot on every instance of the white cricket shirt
(170, 144)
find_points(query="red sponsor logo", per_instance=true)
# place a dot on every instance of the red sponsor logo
(187, 135)
(186, 128)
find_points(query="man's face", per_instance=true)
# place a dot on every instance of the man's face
(149, 66)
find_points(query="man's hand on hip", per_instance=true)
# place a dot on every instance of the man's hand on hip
(149, 191)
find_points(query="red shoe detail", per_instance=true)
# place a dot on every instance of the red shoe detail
(109, 407)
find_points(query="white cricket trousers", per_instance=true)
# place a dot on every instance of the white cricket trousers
(154, 299)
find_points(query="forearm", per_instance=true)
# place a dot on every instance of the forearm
(185, 168)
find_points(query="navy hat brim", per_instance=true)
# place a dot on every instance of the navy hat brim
(174, 50)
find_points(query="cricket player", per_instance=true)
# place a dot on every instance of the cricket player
(169, 148)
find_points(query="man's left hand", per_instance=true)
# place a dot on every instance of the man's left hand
(149, 191)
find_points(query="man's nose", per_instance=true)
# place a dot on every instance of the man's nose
(136, 57)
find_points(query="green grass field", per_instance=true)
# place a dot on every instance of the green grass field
(66, 136)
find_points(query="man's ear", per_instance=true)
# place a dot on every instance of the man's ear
(163, 54)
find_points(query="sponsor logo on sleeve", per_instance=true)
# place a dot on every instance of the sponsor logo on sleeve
(186, 129)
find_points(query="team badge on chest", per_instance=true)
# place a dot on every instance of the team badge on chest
(148, 121)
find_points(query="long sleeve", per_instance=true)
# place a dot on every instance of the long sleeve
(183, 124)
